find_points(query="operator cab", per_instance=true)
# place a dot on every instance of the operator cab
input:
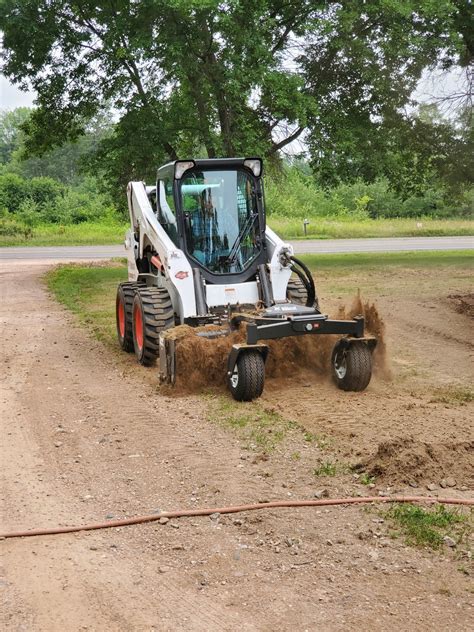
(213, 211)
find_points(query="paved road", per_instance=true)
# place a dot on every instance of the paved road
(322, 246)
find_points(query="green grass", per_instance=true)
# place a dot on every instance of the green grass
(323, 228)
(89, 233)
(89, 292)
(427, 527)
(259, 428)
(85, 234)
(326, 469)
(425, 258)
(453, 395)
(366, 479)
(321, 441)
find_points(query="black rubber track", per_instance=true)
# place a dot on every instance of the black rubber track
(251, 371)
(296, 292)
(127, 290)
(358, 367)
(157, 315)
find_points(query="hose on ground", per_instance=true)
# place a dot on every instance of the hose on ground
(237, 509)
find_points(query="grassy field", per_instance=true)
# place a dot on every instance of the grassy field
(85, 234)
(89, 292)
(103, 234)
(320, 228)
(422, 258)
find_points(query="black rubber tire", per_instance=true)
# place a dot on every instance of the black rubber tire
(125, 293)
(351, 366)
(296, 292)
(247, 383)
(156, 310)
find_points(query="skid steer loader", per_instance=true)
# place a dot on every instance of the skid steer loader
(199, 252)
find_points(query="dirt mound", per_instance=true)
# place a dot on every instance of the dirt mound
(202, 361)
(407, 460)
(463, 303)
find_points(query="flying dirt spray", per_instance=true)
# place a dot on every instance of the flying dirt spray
(201, 361)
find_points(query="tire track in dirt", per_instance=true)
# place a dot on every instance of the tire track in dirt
(38, 377)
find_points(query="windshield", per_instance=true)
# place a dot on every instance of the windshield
(221, 219)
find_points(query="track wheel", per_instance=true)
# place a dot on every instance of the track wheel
(248, 376)
(152, 313)
(296, 292)
(123, 313)
(351, 366)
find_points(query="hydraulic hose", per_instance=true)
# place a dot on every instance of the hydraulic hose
(236, 509)
(309, 283)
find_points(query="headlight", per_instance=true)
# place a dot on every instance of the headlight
(181, 166)
(255, 165)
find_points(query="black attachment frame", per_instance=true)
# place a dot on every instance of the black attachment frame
(271, 329)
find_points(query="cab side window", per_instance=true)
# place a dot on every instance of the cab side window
(167, 210)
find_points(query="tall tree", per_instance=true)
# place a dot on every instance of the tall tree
(225, 77)
(10, 131)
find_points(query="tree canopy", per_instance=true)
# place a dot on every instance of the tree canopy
(207, 77)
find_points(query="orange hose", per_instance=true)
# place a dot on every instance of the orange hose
(236, 509)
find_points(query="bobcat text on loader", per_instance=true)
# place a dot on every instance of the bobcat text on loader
(199, 253)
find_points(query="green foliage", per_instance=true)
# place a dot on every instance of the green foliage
(188, 77)
(44, 200)
(293, 194)
(11, 227)
(366, 479)
(15, 190)
(427, 527)
(10, 131)
(326, 469)
(44, 191)
(39, 203)
(75, 207)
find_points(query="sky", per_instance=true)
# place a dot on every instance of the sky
(11, 97)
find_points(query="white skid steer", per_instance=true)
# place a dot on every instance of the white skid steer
(199, 252)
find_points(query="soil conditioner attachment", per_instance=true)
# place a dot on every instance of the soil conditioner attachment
(200, 254)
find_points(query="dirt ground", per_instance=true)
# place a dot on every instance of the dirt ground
(87, 436)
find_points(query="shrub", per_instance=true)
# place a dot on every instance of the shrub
(13, 190)
(29, 213)
(44, 190)
(296, 195)
(10, 226)
(76, 207)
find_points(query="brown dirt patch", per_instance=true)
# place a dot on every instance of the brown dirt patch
(87, 435)
(463, 303)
